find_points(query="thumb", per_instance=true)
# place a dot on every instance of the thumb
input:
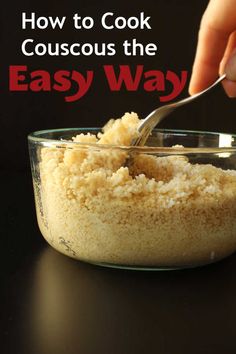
(230, 67)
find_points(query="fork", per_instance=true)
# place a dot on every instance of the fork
(148, 124)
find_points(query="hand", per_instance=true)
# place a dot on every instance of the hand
(216, 49)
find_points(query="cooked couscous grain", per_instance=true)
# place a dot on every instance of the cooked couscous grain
(162, 211)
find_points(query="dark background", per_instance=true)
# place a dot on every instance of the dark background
(175, 26)
(174, 29)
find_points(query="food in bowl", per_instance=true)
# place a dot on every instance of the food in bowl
(101, 201)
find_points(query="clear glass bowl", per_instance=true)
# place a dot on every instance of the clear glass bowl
(156, 207)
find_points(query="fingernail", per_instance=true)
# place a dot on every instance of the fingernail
(230, 67)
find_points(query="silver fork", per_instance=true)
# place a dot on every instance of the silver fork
(148, 124)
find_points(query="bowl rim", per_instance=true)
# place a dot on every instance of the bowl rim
(34, 137)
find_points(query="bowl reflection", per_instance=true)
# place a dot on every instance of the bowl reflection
(75, 305)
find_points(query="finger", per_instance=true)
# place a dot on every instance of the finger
(228, 52)
(230, 88)
(230, 67)
(209, 53)
(217, 24)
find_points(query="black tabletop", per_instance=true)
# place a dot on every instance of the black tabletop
(53, 304)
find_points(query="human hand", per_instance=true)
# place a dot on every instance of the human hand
(216, 49)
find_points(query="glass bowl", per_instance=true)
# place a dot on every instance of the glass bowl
(168, 205)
